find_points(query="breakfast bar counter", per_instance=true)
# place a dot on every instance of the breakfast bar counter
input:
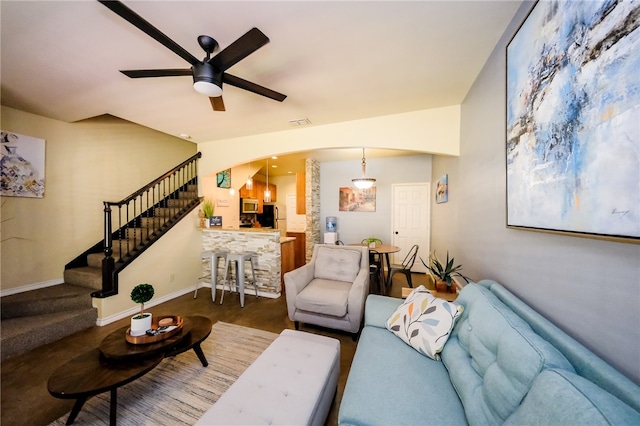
(266, 243)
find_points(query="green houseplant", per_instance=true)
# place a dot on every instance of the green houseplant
(443, 273)
(207, 208)
(372, 241)
(141, 322)
(207, 211)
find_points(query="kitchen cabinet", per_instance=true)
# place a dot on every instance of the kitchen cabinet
(257, 192)
(301, 201)
(287, 257)
(299, 248)
(247, 193)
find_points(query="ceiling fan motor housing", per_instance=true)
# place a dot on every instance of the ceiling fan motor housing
(204, 75)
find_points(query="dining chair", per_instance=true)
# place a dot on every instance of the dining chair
(405, 267)
(376, 270)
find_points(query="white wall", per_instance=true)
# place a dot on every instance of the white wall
(589, 288)
(354, 226)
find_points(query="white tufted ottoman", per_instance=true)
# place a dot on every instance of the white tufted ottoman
(291, 383)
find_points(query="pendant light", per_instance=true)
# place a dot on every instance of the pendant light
(249, 184)
(267, 193)
(363, 182)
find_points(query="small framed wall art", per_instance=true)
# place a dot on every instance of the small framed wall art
(223, 179)
(22, 165)
(442, 189)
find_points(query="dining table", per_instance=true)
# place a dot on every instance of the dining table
(385, 250)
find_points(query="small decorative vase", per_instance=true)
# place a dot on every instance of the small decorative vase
(207, 222)
(140, 324)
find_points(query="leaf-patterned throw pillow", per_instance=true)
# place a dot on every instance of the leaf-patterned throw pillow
(424, 321)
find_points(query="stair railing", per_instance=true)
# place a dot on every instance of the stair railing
(142, 217)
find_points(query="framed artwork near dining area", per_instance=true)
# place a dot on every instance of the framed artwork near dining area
(357, 200)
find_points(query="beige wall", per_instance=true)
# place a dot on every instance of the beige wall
(587, 287)
(85, 163)
(433, 131)
(172, 265)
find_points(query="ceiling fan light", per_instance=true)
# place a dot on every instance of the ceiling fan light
(206, 88)
(206, 80)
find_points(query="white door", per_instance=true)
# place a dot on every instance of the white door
(295, 222)
(410, 219)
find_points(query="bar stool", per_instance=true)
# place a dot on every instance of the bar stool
(240, 259)
(214, 257)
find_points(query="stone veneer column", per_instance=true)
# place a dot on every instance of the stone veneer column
(312, 205)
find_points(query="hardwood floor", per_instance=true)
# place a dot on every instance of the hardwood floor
(26, 401)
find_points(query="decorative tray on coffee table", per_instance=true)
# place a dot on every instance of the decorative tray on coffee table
(166, 320)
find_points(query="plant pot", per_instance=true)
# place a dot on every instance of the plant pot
(140, 324)
(441, 286)
(207, 222)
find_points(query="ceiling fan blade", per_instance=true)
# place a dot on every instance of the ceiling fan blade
(252, 87)
(251, 41)
(217, 103)
(139, 22)
(156, 73)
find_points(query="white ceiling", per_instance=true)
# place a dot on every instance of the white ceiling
(335, 60)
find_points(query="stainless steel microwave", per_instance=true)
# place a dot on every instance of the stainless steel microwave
(248, 205)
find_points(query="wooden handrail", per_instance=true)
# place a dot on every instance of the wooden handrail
(154, 182)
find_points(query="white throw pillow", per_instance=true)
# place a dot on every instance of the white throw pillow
(424, 321)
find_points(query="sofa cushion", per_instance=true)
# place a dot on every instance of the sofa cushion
(559, 397)
(424, 321)
(337, 264)
(493, 357)
(390, 383)
(326, 297)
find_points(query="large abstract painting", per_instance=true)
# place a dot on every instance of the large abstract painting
(573, 119)
(22, 165)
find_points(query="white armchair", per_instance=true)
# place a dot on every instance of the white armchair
(331, 289)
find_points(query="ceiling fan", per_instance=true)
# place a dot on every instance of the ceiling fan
(208, 74)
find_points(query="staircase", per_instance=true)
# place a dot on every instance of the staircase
(34, 318)
(134, 239)
(37, 317)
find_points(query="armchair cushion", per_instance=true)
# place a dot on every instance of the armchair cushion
(327, 297)
(337, 264)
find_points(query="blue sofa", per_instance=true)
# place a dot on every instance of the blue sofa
(503, 364)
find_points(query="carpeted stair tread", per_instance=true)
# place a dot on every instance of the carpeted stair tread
(20, 335)
(86, 276)
(46, 300)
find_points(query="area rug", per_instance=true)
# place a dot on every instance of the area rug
(180, 389)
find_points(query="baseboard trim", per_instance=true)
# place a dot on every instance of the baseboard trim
(250, 292)
(132, 311)
(30, 287)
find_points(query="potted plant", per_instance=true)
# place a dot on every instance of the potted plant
(443, 274)
(372, 242)
(141, 322)
(207, 210)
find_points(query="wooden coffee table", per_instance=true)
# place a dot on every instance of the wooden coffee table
(91, 374)
(117, 362)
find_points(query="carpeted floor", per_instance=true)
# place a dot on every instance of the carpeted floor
(179, 390)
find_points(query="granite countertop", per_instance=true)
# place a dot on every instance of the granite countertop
(252, 230)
